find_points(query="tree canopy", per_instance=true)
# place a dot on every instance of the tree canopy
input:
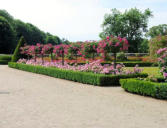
(130, 24)
(159, 30)
(7, 36)
(12, 29)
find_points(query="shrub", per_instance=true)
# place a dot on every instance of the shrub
(121, 56)
(4, 62)
(157, 43)
(77, 76)
(132, 63)
(7, 36)
(5, 57)
(146, 88)
(16, 56)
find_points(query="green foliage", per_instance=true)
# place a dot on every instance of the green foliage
(5, 57)
(159, 30)
(146, 88)
(132, 63)
(77, 76)
(4, 62)
(8, 17)
(12, 29)
(7, 36)
(130, 24)
(16, 56)
(144, 46)
(54, 40)
(121, 56)
(157, 43)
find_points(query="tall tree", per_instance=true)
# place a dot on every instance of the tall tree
(54, 40)
(130, 24)
(7, 36)
(159, 30)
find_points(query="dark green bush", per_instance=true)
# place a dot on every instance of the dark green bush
(5, 57)
(121, 56)
(3, 62)
(132, 63)
(16, 56)
(82, 77)
(146, 88)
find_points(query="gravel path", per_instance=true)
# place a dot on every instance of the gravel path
(30, 100)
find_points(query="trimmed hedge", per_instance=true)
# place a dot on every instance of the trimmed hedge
(77, 76)
(4, 62)
(146, 88)
(4, 59)
(132, 63)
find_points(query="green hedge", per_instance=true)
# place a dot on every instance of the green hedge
(5, 57)
(146, 88)
(82, 77)
(132, 63)
(4, 62)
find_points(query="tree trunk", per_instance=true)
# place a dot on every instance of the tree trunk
(42, 59)
(63, 58)
(93, 54)
(52, 57)
(76, 58)
(35, 57)
(115, 59)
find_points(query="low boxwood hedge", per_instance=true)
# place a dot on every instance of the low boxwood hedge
(132, 63)
(146, 88)
(82, 77)
(4, 59)
(4, 62)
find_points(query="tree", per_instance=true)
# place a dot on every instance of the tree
(144, 46)
(17, 55)
(159, 30)
(130, 24)
(8, 17)
(54, 40)
(157, 43)
(7, 36)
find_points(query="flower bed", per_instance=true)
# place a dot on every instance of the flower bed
(146, 88)
(77, 76)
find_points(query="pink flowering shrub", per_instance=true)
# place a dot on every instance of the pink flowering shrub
(60, 51)
(94, 67)
(112, 45)
(162, 59)
(90, 48)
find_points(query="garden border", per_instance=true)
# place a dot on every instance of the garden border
(145, 88)
(77, 76)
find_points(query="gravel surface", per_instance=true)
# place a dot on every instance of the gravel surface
(30, 100)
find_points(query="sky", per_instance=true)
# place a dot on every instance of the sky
(78, 20)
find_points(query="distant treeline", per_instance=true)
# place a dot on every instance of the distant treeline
(12, 29)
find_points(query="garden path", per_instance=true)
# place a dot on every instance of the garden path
(30, 100)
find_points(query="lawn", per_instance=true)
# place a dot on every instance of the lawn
(149, 70)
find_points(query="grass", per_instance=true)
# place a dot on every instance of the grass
(149, 70)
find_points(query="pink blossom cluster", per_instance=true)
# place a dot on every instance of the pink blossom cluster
(162, 59)
(109, 45)
(94, 67)
(112, 44)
